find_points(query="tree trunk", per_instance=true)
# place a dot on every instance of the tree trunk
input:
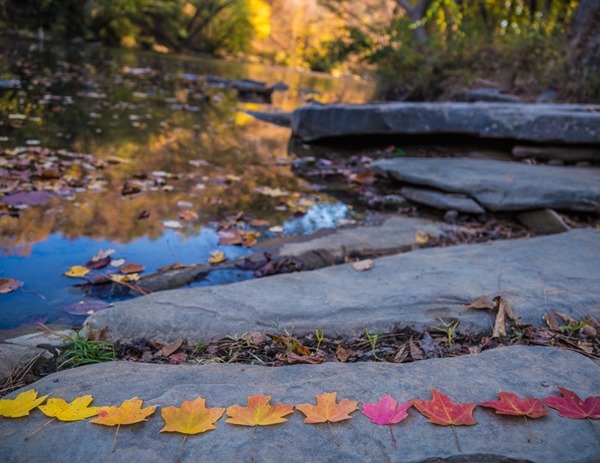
(417, 13)
(586, 22)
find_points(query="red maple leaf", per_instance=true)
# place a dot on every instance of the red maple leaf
(510, 404)
(572, 406)
(441, 410)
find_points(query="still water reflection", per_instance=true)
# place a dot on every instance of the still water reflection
(130, 144)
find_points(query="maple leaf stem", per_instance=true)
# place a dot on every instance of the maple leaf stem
(115, 440)
(28, 436)
(528, 429)
(456, 439)
(333, 434)
(393, 438)
(594, 428)
(181, 448)
(252, 443)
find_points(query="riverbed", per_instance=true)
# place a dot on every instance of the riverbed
(151, 159)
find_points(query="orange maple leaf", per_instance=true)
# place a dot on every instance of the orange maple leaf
(441, 410)
(327, 409)
(192, 418)
(129, 412)
(258, 412)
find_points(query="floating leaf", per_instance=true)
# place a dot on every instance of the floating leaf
(258, 412)
(216, 257)
(85, 307)
(188, 215)
(20, 405)
(8, 285)
(131, 268)
(511, 404)
(76, 410)
(272, 192)
(327, 410)
(77, 271)
(172, 224)
(570, 405)
(124, 278)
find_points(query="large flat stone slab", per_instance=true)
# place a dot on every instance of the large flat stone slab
(545, 123)
(527, 371)
(502, 186)
(535, 275)
(327, 247)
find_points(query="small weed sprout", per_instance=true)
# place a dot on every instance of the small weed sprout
(320, 335)
(372, 338)
(449, 329)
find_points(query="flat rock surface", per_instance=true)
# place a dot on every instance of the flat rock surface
(417, 288)
(502, 186)
(527, 371)
(14, 358)
(327, 247)
(546, 123)
(442, 200)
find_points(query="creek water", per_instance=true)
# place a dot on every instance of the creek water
(146, 155)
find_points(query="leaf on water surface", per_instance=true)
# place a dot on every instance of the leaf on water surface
(128, 269)
(20, 405)
(216, 257)
(511, 404)
(441, 410)
(97, 264)
(85, 307)
(191, 418)
(76, 410)
(77, 271)
(272, 192)
(172, 224)
(124, 278)
(327, 410)
(258, 412)
(570, 405)
(363, 265)
(387, 411)
(188, 215)
(8, 285)
(117, 262)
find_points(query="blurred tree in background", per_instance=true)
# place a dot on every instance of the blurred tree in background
(420, 49)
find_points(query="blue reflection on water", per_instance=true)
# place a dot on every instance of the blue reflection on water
(46, 290)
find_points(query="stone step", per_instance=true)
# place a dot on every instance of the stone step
(526, 371)
(539, 123)
(501, 186)
(557, 272)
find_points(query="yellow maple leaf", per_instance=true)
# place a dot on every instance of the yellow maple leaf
(76, 410)
(191, 418)
(129, 412)
(258, 412)
(77, 271)
(124, 278)
(20, 405)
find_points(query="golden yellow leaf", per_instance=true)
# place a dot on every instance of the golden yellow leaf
(216, 257)
(76, 410)
(258, 412)
(421, 237)
(77, 271)
(191, 418)
(20, 405)
(124, 278)
(129, 412)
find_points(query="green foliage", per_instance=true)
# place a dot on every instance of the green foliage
(83, 351)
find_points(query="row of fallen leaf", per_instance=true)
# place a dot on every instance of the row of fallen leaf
(193, 417)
